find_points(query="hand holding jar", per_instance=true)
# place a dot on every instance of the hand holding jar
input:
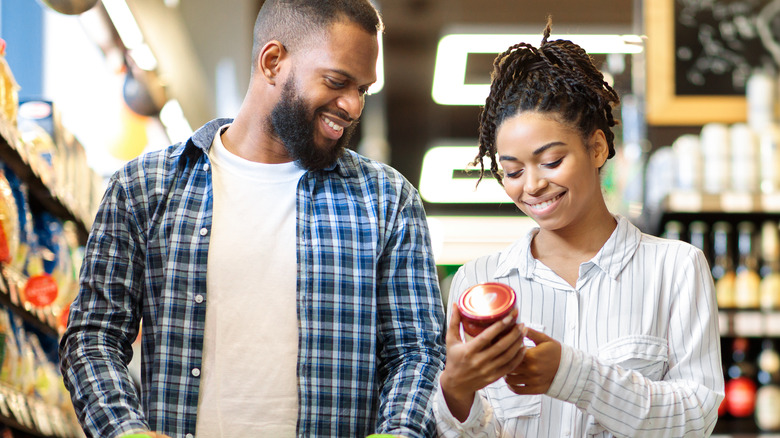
(494, 344)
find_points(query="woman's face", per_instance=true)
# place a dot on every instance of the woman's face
(549, 172)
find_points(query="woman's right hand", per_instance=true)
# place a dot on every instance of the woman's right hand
(479, 362)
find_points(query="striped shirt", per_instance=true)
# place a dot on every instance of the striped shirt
(369, 308)
(640, 343)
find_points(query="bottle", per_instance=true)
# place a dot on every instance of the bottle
(769, 159)
(747, 282)
(770, 266)
(723, 265)
(767, 412)
(744, 159)
(740, 381)
(716, 167)
(700, 239)
(673, 230)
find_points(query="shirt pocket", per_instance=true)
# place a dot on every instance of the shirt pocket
(508, 405)
(648, 355)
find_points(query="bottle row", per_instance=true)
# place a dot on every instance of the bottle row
(752, 376)
(744, 258)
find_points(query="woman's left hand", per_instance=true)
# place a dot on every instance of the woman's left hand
(535, 374)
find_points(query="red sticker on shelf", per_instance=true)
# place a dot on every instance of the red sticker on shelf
(40, 290)
(5, 251)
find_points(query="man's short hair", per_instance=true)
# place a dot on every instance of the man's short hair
(296, 23)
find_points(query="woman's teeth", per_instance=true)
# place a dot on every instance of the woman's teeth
(545, 204)
(334, 126)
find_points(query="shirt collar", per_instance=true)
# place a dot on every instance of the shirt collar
(611, 258)
(202, 139)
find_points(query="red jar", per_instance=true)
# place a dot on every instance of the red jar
(483, 304)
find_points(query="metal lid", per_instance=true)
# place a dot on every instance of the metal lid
(486, 301)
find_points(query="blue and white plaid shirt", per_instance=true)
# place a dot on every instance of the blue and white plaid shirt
(369, 307)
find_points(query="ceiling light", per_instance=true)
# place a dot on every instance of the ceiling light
(447, 177)
(449, 77)
(176, 125)
(130, 34)
(143, 57)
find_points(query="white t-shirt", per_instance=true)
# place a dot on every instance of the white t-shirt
(248, 383)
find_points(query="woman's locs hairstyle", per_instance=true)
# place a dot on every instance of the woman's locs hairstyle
(560, 79)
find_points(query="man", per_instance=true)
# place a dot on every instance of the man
(284, 284)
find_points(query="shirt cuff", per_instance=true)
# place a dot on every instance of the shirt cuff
(572, 376)
(476, 413)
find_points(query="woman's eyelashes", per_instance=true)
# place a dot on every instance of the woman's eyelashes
(550, 165)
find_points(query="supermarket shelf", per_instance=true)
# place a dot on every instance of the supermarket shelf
(13, 153)
(749, 323)
(727, 202)
(10, 284)
(34, 418)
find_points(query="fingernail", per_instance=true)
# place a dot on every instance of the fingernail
(508, 319)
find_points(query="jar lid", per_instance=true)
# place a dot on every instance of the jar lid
(486, 300)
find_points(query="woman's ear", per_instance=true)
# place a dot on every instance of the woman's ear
(599, 148)
(270, 61)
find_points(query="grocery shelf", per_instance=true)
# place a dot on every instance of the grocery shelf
(749, 323)
(14, 155)
(727, 202)
(34, 418)
(11, 281)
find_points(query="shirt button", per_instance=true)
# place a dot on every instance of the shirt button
(196, 372)
(198, 298)
(572, 326)
(204, 231)
(206, 167)
(189, 435)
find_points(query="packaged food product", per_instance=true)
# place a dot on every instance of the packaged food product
(9, 222)
(9, 89)
(484, 304)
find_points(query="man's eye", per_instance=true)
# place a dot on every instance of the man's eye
(336, 84)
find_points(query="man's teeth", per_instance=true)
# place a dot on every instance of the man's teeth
(330, 123)
(545, 204)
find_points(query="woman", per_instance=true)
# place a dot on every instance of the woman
(621, 326)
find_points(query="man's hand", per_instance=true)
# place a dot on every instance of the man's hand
(537, 371)
(475, 364)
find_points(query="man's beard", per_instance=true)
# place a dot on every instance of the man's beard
(292, 123)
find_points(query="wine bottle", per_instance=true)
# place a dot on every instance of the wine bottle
(770, 266)
(740, 385)
(747, 282)
(767, 412)
(723, 265)
(700, 239)
(673, 230)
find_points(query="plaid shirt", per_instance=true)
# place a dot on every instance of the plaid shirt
(369, 308)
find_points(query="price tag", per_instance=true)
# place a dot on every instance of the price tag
(723, 323)
(772, 324)
(771, 203)
(685, 201)
(748, 324)
(737, 202)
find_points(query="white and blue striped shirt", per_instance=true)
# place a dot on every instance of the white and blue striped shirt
(640, 343)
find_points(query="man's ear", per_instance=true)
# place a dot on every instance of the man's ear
(270, 61)
(599, 149)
